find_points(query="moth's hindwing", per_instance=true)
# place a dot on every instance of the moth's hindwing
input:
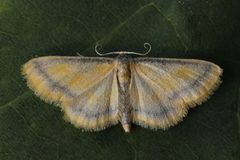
(162, 90)
(85, 88)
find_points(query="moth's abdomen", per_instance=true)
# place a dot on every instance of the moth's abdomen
(124, 76)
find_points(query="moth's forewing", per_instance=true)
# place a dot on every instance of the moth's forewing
(162, 90)
(85, 88)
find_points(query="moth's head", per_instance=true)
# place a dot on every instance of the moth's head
(123, 53)
(123, 57)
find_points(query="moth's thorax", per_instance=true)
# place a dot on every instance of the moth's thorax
(123, 71)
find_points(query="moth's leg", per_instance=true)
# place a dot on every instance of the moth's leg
(77, 53)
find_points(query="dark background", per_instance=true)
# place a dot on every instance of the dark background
(204, 29)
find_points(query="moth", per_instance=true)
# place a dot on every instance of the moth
(97, 92)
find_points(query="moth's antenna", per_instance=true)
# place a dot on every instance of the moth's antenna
(146, 46)
(97, 46)
(103, 54)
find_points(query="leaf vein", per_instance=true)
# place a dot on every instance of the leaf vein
(120, 25)
(15, 99)
(34, 132)
(171, 24)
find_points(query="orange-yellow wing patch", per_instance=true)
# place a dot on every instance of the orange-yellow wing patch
(84, 87)
(162, 90)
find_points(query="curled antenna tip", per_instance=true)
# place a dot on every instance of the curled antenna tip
(147, 46)
(97, 48)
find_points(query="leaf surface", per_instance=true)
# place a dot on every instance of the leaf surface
(33, 129)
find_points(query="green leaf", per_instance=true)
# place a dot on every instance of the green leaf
(33, 129)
